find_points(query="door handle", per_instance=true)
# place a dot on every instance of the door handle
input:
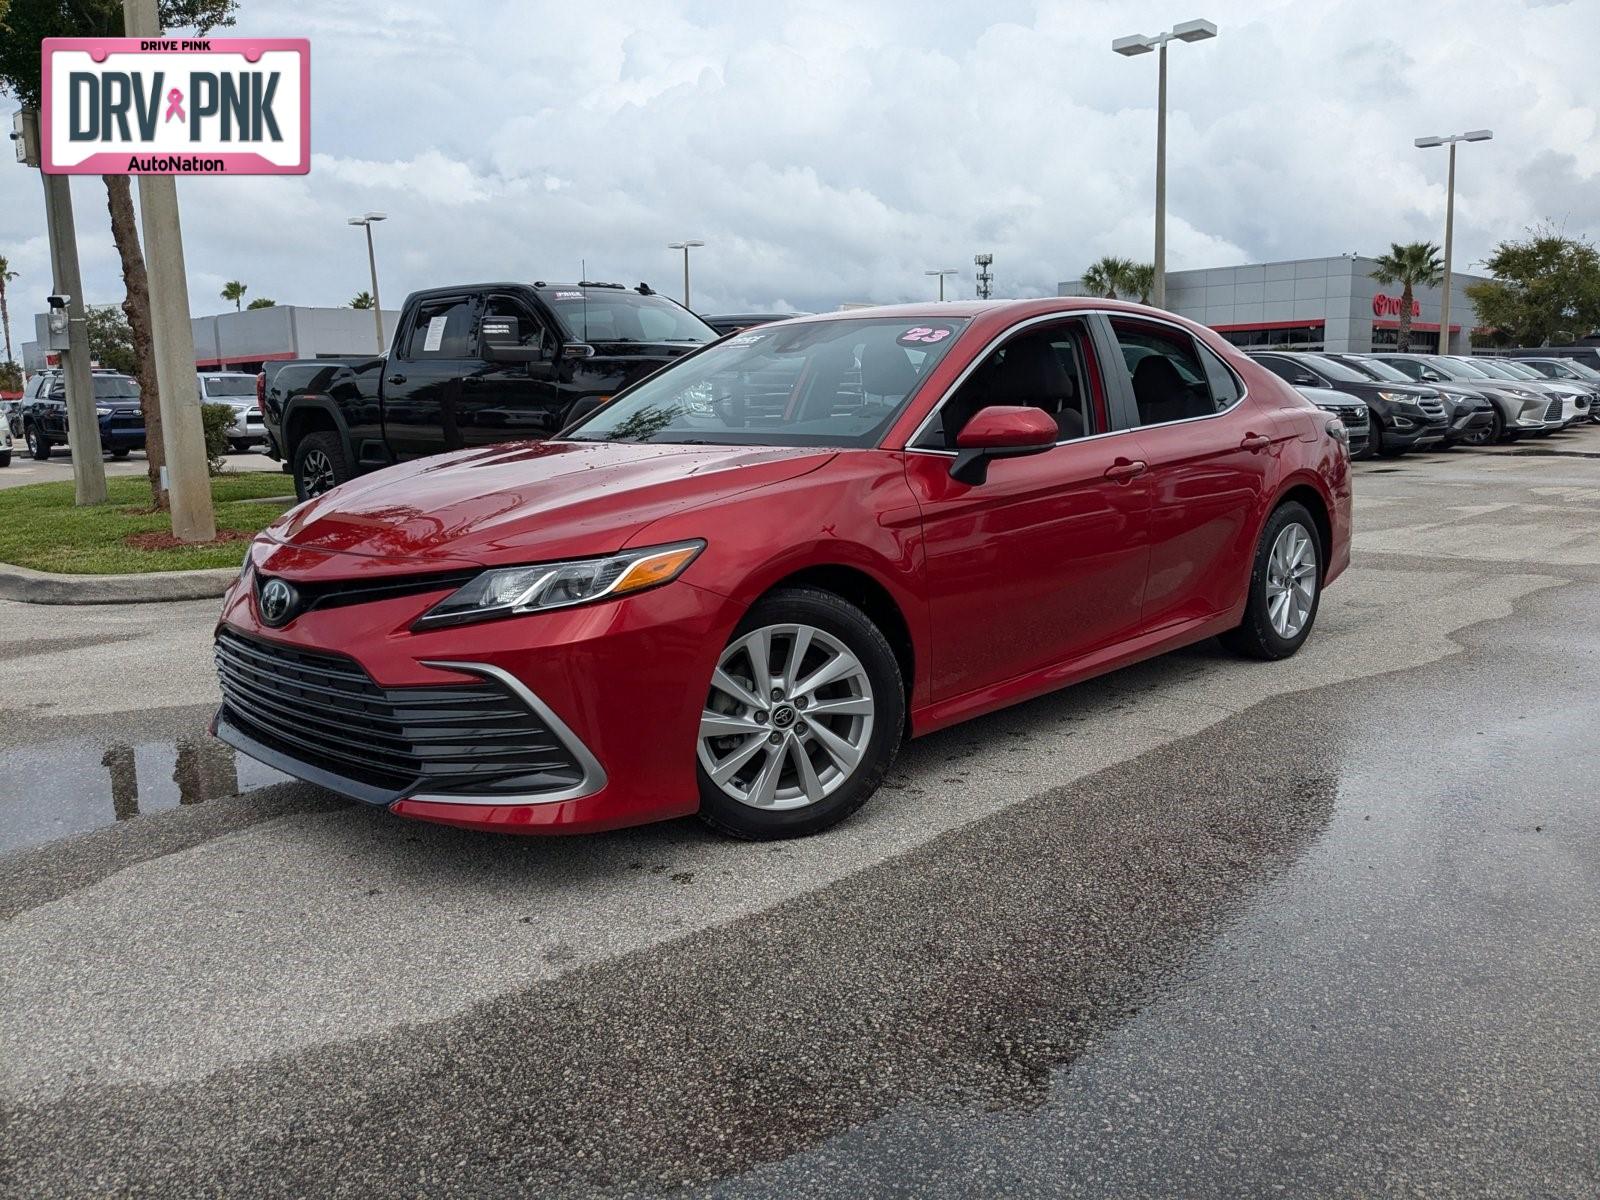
(1255, 441)
(1123, 470)
(397, 379)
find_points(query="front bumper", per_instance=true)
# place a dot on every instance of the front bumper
(1469, 421)
(621, 683)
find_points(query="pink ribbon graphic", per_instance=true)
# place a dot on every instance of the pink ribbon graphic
(175, 105)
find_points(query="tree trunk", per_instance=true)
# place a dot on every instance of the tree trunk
(5, 319)
(1402, 339)
(136, 304)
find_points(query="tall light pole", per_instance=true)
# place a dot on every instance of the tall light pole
(941, 274)
(368, 220)
(1427, 143)
(1137, 43)
(985, 277)
(685, 246)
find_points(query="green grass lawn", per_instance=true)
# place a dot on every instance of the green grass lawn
(41, 528)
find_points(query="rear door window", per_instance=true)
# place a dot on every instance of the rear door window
(1169, 377)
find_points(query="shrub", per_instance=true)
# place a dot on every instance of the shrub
(216, 418)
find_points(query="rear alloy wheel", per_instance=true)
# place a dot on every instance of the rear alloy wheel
(319, 464)
(803, 717)
(1285, 587)
(38, 444)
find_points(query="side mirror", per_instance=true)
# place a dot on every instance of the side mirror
(1003, 431)
(1306, 379)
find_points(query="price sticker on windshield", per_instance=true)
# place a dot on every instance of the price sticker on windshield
(925, 335)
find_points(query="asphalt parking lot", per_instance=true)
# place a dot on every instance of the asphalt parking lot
(1202, 927)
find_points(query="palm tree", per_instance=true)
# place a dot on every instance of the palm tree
(1414, 264)
(6, 276)
(263, 302)
(1142, 279)
(1109, 276)
(362, 300)
(234, 290)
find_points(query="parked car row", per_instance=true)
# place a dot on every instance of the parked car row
(40, 417)
(1421, 401)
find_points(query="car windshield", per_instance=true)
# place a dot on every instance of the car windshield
(610, 314)
(1583, 371)
(230, 385)
(106, 387)
(1517, 371)
(837, 382)
(1457, 369)
(1380, 370)
(1336, 370)
(1492, 370)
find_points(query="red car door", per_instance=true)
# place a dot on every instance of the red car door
(1046, 559)
(1212, 456)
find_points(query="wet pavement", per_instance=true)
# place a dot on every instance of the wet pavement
(1204, 927)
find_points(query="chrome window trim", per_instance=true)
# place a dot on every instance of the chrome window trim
(910, 446)
(594, 775)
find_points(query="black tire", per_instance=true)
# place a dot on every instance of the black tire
(238, 447)
(314, 475)
(854, 629)
(1255, 636)
(1497, 432)
(5, 459)
(120, 453)
(1382, 448)
(38, 444)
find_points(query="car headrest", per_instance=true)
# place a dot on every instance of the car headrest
(1030, 374)
(886, 370)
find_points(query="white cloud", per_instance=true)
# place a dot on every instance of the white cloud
(830, 151)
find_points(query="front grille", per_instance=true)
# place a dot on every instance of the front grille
(1433, 406)
(1353, 418)
(1555, 412)
(134, 421)
(324, 710)
(341, 592)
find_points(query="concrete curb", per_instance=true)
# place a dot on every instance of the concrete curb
(152, 587)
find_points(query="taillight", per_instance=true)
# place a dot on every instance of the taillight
(261, 387)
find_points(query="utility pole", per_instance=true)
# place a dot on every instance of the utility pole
(985, 277)
(1138, 43)
(685, 246)
(83, 423)
(182, 431)
(366, 221)
(1428, 143)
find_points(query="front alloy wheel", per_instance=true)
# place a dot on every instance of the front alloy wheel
(802, 718)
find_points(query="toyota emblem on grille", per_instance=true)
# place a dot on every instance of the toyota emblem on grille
(277, 602)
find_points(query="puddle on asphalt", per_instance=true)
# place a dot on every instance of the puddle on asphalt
(53, 789)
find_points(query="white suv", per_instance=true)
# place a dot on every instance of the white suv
(238, 391)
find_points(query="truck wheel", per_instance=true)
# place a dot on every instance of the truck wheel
(319, 464)
(38, 444)
(5, 458)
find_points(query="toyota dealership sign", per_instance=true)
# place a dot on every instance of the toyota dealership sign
(175, 106)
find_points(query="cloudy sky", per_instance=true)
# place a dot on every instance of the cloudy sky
(833, 150)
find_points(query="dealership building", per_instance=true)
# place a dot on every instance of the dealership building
(1313, 304)
(245, 341)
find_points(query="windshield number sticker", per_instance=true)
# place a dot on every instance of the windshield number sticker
(569, 295)
(745, 339)
(435, 336)
(924, 334)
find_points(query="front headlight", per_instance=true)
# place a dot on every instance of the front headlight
(103, 410)
(1397, 397)
(509, 591)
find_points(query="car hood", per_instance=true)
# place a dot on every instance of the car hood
(527, 502)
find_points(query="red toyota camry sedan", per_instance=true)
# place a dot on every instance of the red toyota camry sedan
(734, 589)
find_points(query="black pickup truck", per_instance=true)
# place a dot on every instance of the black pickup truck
(470, 366)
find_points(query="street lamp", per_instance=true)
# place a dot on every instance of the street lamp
(1137, 43)
(368, 220)
(1428, 143)
(941, 274)
(684, 246)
